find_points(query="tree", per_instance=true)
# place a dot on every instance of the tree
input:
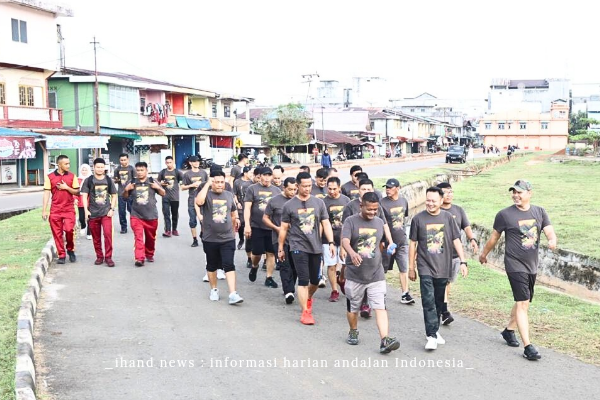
(592, 136)
(285, 126)
(578, 122)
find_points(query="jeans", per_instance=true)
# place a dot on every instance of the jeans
(124, 206)
(170, 209)
(432, 299)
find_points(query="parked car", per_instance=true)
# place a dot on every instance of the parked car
(456, 153)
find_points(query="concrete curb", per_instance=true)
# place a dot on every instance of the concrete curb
(25, 370)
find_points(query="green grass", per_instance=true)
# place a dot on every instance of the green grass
(23, 237)
(557, 321)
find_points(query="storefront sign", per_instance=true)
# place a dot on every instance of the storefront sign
(76, 142)
(16, 147)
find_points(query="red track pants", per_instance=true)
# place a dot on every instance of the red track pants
(102, 226)
(144, 232)
(63, 224)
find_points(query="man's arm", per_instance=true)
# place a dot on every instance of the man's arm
(201, 196)
(267, 221)
(327, 230)
(388, 233)
(247, 211)
(551, 236)
(45, 204)
(461, 254)
(489, 246)
(412, 255)
(472, 240)
(283, 230)
(235, 221)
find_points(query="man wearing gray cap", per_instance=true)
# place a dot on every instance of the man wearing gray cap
(192, 179)
(522, 224)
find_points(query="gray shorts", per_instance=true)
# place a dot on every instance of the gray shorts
(400, 257)
(455, 269)
(356, 291)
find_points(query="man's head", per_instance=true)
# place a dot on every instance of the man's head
(290, 187)
(277, 175)
(242, 159)
(256, 174)
(355, 169)
(521, 193)
(321, 177)
(305, 168)
(433, 199)
(218, 180)
(194, 162)
(365, 186)
(448, 193)
(124, 159)
(63, 163)
(141, 169)
(304, 184)
(247, 171)
(169, 163)
(369, 205)
(333, 187)
(392, 188)
(266, 176)
(332, 172)
(99, 166)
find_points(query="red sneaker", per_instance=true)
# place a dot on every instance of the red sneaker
(309, 304)
(306, 318)
(99, 261)
(167, 234)
(335, 296)
(150, 259)
(341, 284)
(365, 311)
(175, 233)
(110, 262)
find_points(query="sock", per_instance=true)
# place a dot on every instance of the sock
(403, 293)
(445, 308)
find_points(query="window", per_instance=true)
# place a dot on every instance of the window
(509, 125)
(2, 95)
(121, 98)
(52, 99)
(26, 96)
(19, 30)
(523, 125)
(214, 110)
(488, 125)
(142, 104)
(501, 126)
(422, 110)
(227, 110)
(372, 125)
(544, 125)
(412, 110)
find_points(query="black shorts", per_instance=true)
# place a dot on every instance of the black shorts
(262, 241)
(308, 267)
(219, 255)
(522, 285)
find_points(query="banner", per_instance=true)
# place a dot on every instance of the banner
(75, 142)
(16, 147)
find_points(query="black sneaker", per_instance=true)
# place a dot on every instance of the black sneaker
(289, 298)
(407, 299)
(61, 261)
(510, 337)
(240, 244)
(447, 318)
(249, 264)
(123, 231)
(139, 263)
(252, 274)
(352, 337)
(531, 353)
(195, 243)
(269, 282)
(72, 256)
(388, 344)
(264, 266)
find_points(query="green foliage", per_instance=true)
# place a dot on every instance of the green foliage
(285, 126)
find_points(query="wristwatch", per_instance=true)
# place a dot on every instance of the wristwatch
(476, 241)
(464, 262)
(332, 243)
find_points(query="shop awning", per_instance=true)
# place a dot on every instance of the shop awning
(75, 142)
(120, 133)
(151, 140)
(181, 122)
(194, 123)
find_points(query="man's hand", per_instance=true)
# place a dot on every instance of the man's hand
(110, 213)
(164, 183)
(88, 214)
(332, 250)
(210, 180)
(236, 224)
(45, 215)
(356, 259)
(342, 254)
(130, 186)
(474, 247)
(483, 258)
(62, 185)
(412, 274)
(281, 255)
(552, 244)
(155, 185)
(391, 249)
(464, 271)
(247, 231)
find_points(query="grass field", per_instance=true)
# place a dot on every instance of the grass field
(23, 236)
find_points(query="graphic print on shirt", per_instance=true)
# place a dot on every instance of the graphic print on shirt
(529, 234)
(367, 242)
(170, 181)
(335, 216)
(354, 194)
(263, 199)
(320, 196)
(123, 177)
(397, 214)
(219, 211)
(307, 220)
(100, 194)
(141, 195)
(435, 238)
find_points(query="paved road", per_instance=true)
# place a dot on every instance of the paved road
(95, 321)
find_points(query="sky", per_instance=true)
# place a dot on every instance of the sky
(261, 49)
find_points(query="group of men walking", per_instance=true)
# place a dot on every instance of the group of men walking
(311, 231)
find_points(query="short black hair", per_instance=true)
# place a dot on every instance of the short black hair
(370, 197)
(444, 185)
(362, 175)
(332, 169)
(435, 189)
(365, 182)
(242, 156)
(168, 158)
(141, 164)
(217, 172)
(124, 155)
(289, 181)
(99, 160)
(355, 168)
(61, 157)
(335, 180)
(305, 167)
(257, 171)
(322, 173)
(302, 175)
(278, 167)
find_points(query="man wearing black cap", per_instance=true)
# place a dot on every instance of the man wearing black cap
(522, 223)
(239, 190)
(395, 209)
(255, 202)
(192, 179)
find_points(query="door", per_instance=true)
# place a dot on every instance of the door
(178, 104)
(184, 147)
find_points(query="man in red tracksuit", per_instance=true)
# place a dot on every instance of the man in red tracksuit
(99, 195)
(144, 215)
(62, 185)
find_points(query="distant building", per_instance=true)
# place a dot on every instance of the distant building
(526, 94)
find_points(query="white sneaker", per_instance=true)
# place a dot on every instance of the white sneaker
(322, 283)
(89, 237)
(220, 274)
(214, 294)
(440, 339)
(205, 279)
(83, 231)
(431, 343)
(235, 298)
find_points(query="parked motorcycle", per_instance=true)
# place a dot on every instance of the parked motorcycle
(340, 157)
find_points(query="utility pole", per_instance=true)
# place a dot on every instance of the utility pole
(97, 106)
(309, 78)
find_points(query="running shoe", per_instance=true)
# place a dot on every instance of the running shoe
(99, 261)
(447, 318)
(388, 344)
(150, 259)
(335, 296)
(110, 262)
(72, 256)
(252, 274)
(289, 298)
(352, 337)
(214, 294)
(306, 318)
(139, 263)
(249, 264)
(220, 274)
(88, 237)
(195, 243)
(61, 260)
(531, 353)
(264, 266)
(322, 283)
(167, 234)
(175, 233)
(510, 337)
(205, 279)
(365, 311)
(407, 299)
(235, 298)
(270, 282)
(431, 343)
(440, 339)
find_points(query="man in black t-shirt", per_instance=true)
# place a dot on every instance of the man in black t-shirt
(192, 179)
(350, 188)
(237, 170)
(522, 223)
(124, 173)
(239, 191)
(169, 178)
